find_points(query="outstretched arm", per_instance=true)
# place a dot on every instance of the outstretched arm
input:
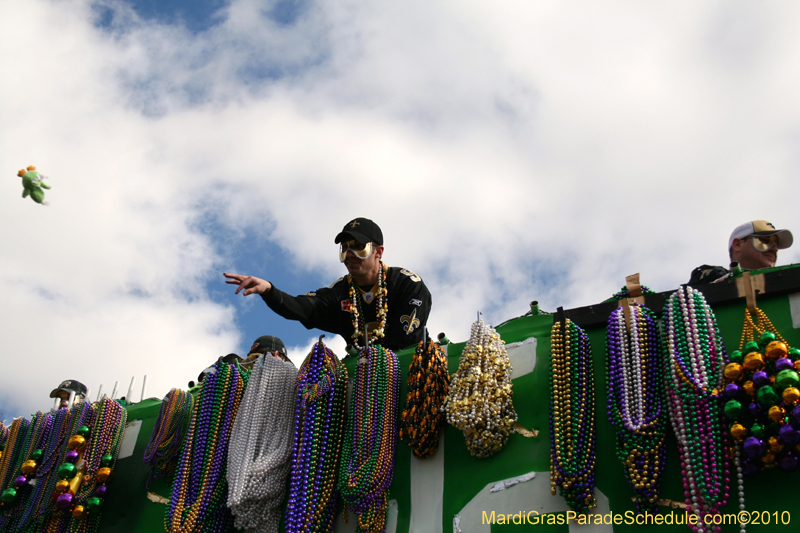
(250, 284)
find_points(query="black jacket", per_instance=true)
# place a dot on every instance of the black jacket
(328, 309)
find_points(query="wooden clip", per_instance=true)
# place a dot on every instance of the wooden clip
(634, 296)
(626, 309)
(749, 293)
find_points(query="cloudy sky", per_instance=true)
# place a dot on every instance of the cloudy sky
(511, 151)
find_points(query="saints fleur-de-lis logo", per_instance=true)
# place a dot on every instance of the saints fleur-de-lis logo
(354, 223)
(411, 322)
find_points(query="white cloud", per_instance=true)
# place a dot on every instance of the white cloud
(510, 152)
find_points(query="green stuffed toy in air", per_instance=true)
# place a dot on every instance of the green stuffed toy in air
(32, 184)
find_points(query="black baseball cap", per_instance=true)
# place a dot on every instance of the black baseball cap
(67, 386)
(362, 230)
(268, 343)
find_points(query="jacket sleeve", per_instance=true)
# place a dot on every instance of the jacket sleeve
(313, 310)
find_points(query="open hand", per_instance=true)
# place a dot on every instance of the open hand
(250, 284)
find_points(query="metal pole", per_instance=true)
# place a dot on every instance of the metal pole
(99, 393)
(130, 390)
(114, 392)
(56, 403)
(144, 387)
(71, 398)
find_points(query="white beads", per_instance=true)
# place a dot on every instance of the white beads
(260, 449)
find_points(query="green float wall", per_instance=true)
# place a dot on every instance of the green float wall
(128, 509)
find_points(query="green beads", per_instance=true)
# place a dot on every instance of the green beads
(736, 356)
(767, 396)
(107, 459)
(67, 471)
(83, 431)
(37, 455)
(9, 496)
(733, 409)
(94, 504)
(766, 338)
(787, 378)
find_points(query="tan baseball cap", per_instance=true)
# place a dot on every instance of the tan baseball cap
(762, 228)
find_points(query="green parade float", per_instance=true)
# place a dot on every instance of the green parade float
(714, 361)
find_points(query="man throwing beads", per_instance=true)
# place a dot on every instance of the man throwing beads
(393, 302)
(752, 245)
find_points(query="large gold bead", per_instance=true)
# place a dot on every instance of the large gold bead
(62, 485)
(777, 413)
(78, 511)
(791, 395)
(796, 365)
(776, 349)
(733, 371)
(738, 431)
(76, 442)
(753, 361)
(749, 387)
(774, 444)
(103, 474)
(29, 467)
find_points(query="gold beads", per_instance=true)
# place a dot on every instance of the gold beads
(29, 467)
(103, 474)
(76, 442)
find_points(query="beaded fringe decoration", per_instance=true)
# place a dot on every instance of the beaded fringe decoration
(572, 422)
(696, 357)
(40, 510)
(635, 366)
(16, 473)
(367, 463)
(168, 434)
(99, 458)
(479, 400)
(428, 385)
(761, 397)
(321, 391)
(260, 448)
(199, 490)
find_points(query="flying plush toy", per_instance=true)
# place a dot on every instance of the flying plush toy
(32, 184)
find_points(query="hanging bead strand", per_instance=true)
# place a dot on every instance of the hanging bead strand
(635, 401)
(696, 358)
(367, 463)
(572, 424)
(318, 432)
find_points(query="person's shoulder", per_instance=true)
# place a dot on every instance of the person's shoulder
(336, 286)
(707, 274)
(403, 275)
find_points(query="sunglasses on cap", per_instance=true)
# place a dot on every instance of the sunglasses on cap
(763, 243)
(361, 250)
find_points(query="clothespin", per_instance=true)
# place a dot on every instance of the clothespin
(749, 293)
(634, 296)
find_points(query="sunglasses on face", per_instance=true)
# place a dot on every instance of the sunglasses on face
(361, 250)
(762, 244)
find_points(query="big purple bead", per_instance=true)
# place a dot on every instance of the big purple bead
(72, 457)
(761, 378)
(100, 491)
(731, 390)
(20, 481)
(784, 363)
(789, 435)
(753, 447)
(64, 501)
